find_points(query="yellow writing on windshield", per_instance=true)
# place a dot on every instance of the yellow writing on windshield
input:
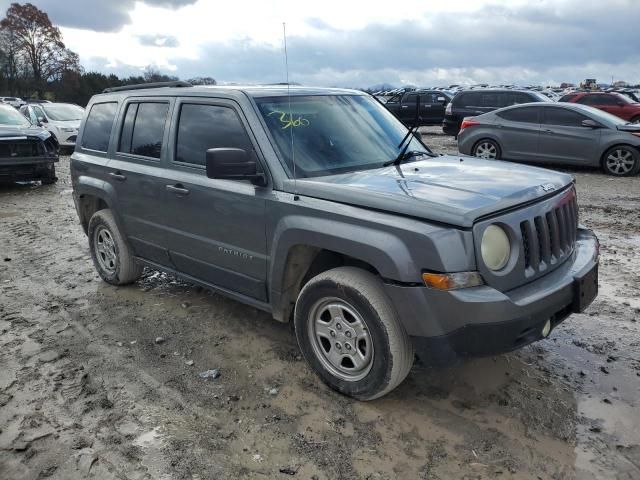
(290, 122)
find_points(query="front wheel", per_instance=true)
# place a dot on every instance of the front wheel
(621, 161)
(487, 148)
(50, 177)
(110, 253)
(350, 334)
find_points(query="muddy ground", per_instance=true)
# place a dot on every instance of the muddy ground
(89, 390)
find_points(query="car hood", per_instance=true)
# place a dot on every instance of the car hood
(32, 131)
(455, 190)
(66, 123)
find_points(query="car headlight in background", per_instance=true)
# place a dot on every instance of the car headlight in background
(495, 247)
(68, 129)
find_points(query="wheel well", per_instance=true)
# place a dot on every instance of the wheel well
(305, 262)
(88, 205)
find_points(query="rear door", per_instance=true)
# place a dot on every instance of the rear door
(137, 174)
(563, 139)
(408, 108)
(604, 101)
(518, 130)
(216, 229)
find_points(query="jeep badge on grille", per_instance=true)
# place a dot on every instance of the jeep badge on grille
(547, 187)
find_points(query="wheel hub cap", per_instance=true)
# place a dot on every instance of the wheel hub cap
(486, 150)
(105, 248)
(620, 162)
(340, 339)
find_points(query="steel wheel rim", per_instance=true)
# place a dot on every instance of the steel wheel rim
(620, 161)
(486, 150)
(340, 339)
(105, 248)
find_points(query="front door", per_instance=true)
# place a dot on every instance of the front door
(563, 138)
(215, 229)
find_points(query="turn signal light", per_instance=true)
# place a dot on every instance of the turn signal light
(452, 281)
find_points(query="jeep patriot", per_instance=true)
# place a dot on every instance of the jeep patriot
(308, 204)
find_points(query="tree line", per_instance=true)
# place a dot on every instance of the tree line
(35, 63)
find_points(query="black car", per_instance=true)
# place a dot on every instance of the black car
(26, 152)
(469, 103)
(432, 106)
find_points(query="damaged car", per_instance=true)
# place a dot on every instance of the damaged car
(27, 152)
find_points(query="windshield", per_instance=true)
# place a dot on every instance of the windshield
(333, 134)
(63, 112)
(9, 116)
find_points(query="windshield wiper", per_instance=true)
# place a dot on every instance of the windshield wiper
(407, 138)
(406, 156)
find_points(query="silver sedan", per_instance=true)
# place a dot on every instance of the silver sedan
(554, 133)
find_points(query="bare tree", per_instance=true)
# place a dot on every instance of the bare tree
(39, 43)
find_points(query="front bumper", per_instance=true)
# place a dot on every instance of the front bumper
(24, 171)
(446, 325)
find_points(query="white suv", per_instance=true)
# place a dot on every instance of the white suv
(13, 101)
(62, 120)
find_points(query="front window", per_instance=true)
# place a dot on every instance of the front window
(334, 134)
(63, 113)
(9, 116)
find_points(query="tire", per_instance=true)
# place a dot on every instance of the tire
(51, 177)
(110, 253)
(487, 148)
(621, 161)
(368, 321)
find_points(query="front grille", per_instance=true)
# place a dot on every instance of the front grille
(20, 149)
(547, 239)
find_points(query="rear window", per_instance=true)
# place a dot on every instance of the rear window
(97, 129)
(568, 98)
(143, 129)
(523, 114)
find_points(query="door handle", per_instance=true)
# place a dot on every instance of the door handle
(177, 189)
(404, 106)
(548, 130)
(118, 176)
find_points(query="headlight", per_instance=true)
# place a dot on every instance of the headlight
(67, 129)
(495, 247)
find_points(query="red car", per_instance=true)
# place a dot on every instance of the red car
(614, 103)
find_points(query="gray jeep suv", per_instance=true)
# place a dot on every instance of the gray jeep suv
(318, 206)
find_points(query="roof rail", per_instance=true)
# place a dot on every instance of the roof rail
(141, 86)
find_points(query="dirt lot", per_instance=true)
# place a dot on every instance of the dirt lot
(103, 382)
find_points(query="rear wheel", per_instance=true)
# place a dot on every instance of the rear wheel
(350, 334)
(110, 253)
(487, 148)
(621, 161)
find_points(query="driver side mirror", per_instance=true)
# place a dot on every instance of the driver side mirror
(41, 120)
(233, 164)
(590, 124)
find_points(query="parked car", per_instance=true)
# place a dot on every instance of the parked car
(306, 203)
(615, 103)
(62, 120)
(13, 101)
(476, 102)
(557, 133)
(432, 105)
(27, 152)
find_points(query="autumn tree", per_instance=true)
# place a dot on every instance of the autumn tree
(38, 43)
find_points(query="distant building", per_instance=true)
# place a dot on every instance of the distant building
(567, 85)
(619, 84)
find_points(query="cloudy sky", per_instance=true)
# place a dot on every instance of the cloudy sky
(357, 43)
